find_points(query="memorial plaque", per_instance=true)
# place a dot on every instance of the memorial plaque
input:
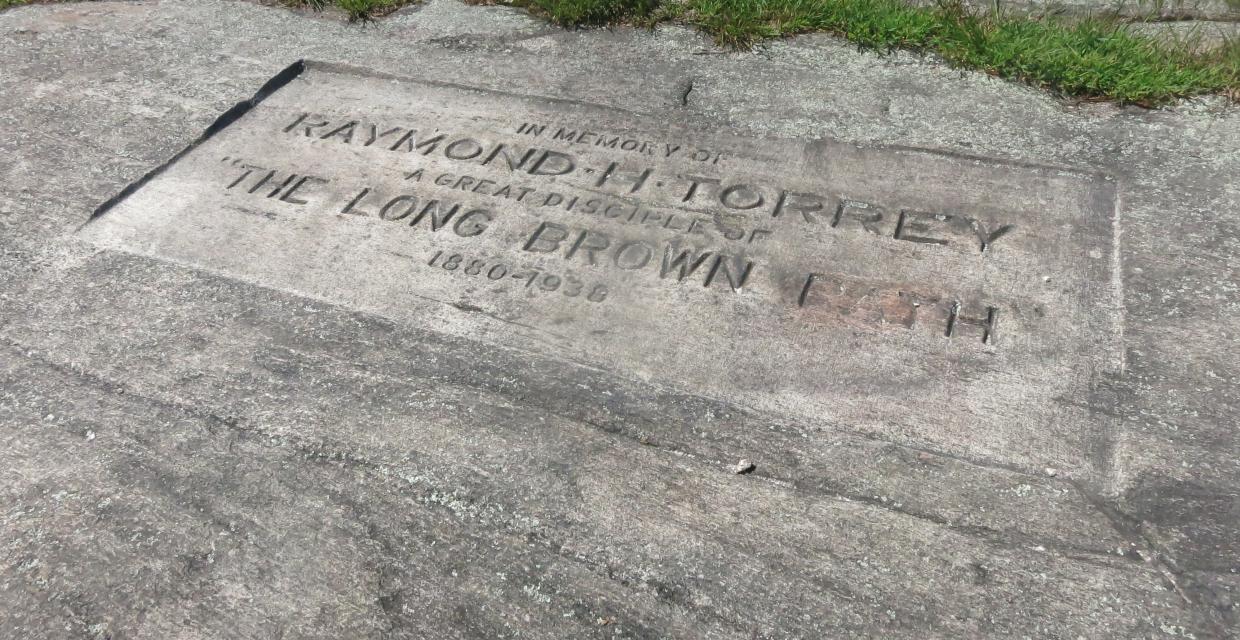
(953, 302)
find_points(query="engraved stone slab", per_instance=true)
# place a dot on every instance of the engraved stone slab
(957, 303)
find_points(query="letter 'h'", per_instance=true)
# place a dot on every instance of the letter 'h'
(987, 324)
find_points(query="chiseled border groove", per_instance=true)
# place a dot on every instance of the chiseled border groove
(238, 110)
(1108, 193)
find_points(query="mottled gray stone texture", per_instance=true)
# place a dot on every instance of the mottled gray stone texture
(1170, 10)
(225, 415)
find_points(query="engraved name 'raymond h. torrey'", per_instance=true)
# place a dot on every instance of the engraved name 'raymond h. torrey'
(793, 275)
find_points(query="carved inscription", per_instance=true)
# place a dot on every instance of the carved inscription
(698, 227)
(880, 288)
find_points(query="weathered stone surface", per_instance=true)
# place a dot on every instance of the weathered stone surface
(208, 434)
(1199, 35)
(901, 283)
(1165, 9)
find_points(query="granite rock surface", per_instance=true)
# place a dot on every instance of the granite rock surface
(193, 450)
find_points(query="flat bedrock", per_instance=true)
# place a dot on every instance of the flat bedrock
(187, 455)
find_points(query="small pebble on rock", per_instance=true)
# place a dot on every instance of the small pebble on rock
(744, 466)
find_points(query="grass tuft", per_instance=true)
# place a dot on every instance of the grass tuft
(355, 9)
(588, 13)
(1090, 58)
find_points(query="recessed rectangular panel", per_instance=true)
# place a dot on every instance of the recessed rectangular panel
(953, 302)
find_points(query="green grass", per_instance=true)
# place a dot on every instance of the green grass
(1091, 58)
(356, 9)
(589, 13)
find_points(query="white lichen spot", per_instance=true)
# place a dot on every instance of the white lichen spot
(1176, 630)
(534, 594)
